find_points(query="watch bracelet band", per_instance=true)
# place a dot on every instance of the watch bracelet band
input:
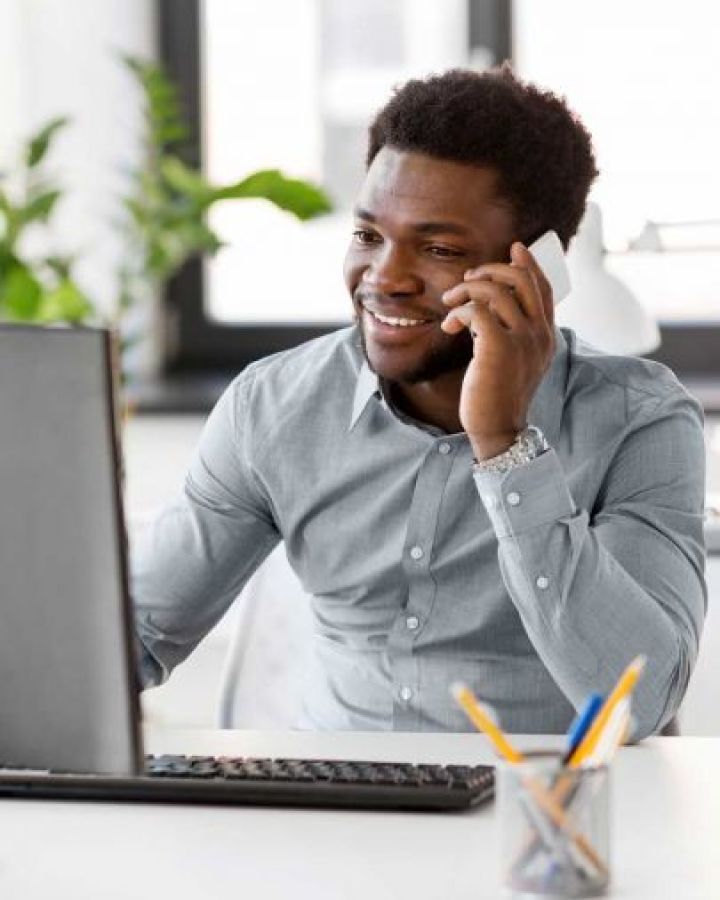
(528, 445)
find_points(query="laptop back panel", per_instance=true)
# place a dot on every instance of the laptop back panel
(68, 698)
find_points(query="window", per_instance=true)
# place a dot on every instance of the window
(643, 77)
(294, 83)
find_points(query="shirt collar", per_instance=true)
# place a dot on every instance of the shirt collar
(368, 385)
(545, 410)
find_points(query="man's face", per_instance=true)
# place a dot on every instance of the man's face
(420, 223)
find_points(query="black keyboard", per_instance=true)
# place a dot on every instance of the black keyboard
(270, 782)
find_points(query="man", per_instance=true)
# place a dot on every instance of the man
(466, 492)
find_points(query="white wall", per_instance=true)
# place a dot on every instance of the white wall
(59, 57)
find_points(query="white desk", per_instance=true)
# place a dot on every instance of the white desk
(666, 833)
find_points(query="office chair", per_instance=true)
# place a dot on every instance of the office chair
(269, 657)
(671, 728)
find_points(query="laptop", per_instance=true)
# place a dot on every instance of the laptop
(69, 691)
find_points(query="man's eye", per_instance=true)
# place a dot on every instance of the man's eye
(363, 236)
(445, 252)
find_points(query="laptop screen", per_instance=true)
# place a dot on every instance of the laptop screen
(68, 694)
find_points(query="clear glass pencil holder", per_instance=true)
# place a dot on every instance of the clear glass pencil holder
(554, 828)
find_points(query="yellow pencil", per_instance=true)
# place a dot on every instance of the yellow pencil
(622, 689)
(482, 721)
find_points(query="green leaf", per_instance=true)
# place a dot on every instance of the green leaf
(40, 207)
(126, 301)
(20, 294)
(163, 110)
(167, 199)
(197, 237)
(37, 146)
(5, 205)
(184, 180)
(173, 245)
(60, 266)
(8, 261)
(10, 222)
(65, 303)
(303, 199)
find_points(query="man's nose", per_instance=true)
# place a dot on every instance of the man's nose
(392, 272)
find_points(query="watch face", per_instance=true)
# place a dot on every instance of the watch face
(535, 439)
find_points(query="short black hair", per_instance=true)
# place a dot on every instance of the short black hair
(539, 147)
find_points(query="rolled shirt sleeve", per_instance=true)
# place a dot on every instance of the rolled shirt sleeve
(596, 587)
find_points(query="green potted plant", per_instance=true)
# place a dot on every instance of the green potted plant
(163, 221)
(35, 287)
(167, 202)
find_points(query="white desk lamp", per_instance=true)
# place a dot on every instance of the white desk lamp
(601, 308)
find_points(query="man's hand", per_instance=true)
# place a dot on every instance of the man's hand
(509, 311)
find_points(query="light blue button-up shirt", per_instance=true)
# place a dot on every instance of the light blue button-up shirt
(534, 587)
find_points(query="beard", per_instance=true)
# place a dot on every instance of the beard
(453, 354)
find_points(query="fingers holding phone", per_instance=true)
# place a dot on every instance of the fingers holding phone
(537, 278)
(508, 309)
(513, 293)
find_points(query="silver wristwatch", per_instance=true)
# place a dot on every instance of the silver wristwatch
(528, 445)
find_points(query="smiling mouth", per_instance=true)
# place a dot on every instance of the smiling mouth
(398, 322)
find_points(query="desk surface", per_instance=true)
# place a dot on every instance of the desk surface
(666, 826)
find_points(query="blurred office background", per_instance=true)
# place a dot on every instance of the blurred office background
(292, 84)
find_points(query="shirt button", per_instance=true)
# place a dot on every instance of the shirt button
(513, 498)
(542, 582)
(444, 448)
(405, 693)
(412, 623)
(416, 552)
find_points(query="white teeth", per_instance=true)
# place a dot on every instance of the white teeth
(404, 323)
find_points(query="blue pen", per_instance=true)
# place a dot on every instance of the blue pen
(580, 725)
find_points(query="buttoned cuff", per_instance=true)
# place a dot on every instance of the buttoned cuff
(527, 496)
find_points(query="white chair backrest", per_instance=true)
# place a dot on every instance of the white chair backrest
(270, 650)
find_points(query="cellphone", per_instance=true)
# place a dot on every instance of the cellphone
(550, 256)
